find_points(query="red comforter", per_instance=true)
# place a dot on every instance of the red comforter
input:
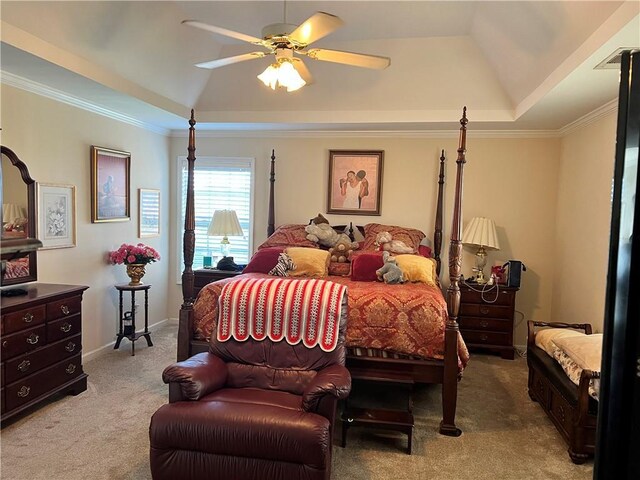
(404, 319)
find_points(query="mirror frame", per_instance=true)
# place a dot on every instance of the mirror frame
(31, 224)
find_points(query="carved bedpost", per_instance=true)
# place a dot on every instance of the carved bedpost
(188, 245)
(271, 227)
(437, 235)
(450, 385)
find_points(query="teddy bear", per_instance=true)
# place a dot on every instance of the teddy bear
(390, 271)
(322, 234)
(385, 242)
(342, 250)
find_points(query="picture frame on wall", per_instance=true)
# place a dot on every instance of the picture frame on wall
(110, 185)
(56, 214)
(148, 212)
(355, 182)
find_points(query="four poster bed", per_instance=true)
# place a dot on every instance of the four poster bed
(443, 361)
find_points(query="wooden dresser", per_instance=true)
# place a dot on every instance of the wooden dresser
(41, 341)
(204, 276)
(486, 319)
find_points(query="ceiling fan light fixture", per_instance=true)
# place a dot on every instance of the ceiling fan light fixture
(282, 74)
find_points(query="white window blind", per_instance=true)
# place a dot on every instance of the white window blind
(219, 183)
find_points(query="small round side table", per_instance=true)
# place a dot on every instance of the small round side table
(133, 336)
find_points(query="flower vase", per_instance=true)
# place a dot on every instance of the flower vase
(135, 272)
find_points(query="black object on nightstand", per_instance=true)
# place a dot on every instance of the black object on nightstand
(486, 318)
(204, 276)
(127, 320)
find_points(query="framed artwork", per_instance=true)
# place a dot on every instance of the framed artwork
(56, 214)
(355, 182)
(148, 212)
(110, 182)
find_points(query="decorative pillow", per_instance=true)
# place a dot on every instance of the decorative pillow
(585, 350)
(263, 260)
(340, 269)
(425, 251)
(417, 268)
(288, 236)
(309, 262)
(545, 338)
(364, 266)
(410, 236)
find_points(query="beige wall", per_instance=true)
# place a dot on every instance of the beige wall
(509, 180)
(583, 223)
(53, 139)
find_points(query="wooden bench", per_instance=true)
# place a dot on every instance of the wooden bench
(569, 406)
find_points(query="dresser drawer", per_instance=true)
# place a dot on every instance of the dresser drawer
(478, 310)
(30, 363)
(29, 388)
(29, 317)
(504, 297)
(490, 324)
(23, 341)
(65, 327)
(64, 308)
(486, 338)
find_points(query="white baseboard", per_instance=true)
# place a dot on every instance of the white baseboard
(102, 350)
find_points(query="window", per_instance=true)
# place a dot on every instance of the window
(219, 183)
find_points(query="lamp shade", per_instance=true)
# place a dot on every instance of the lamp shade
(11, 212)
(225, 223)
(481, 232)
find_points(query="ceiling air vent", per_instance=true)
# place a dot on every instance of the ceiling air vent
(613, 60)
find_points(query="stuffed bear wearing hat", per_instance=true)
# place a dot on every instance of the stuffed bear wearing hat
(390, 271)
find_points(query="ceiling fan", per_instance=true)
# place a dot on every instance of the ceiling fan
(283, 40)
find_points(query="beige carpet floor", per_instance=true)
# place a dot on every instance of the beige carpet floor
(103, 433)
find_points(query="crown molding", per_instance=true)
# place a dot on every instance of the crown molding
(57, 95)
(366, 133)
(591, 117)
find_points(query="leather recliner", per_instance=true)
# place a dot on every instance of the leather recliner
(250, 410)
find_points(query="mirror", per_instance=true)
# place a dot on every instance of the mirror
(18, 221)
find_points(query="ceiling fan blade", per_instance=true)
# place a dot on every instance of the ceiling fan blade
(315, 27)
(302, 69)
(221, 62)
(223, 31)
(348, 58)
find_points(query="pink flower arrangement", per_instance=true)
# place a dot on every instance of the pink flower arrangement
(129, 254)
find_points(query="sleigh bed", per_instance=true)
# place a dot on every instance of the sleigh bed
(434, 355)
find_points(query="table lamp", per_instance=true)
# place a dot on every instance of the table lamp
(481, 232)
(11, 212)
(225, 223)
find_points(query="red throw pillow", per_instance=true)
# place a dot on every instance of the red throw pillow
(288, 236)
(410, 236)
(263, 260)
(364, 266)
(425, 251)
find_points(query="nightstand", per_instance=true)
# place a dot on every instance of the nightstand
(486, 318)
(204, 276)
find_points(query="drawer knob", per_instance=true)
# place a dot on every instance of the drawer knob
(64, 309)
(484, 310)
(65, 327)
(24, 365)
(70, 369)
(33, 339)
(24, 391)
(4, 344)
(70, 347)
(484, 338)
(484, 324)
(561, 413)
(28, 318)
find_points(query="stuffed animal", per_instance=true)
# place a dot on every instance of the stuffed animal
(284, 265)
(322, 234)
(341, 251)
(386, 243)
(319, 219)
(390, 271)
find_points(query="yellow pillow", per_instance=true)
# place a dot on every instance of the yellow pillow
(309, 262)
(417, 268)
